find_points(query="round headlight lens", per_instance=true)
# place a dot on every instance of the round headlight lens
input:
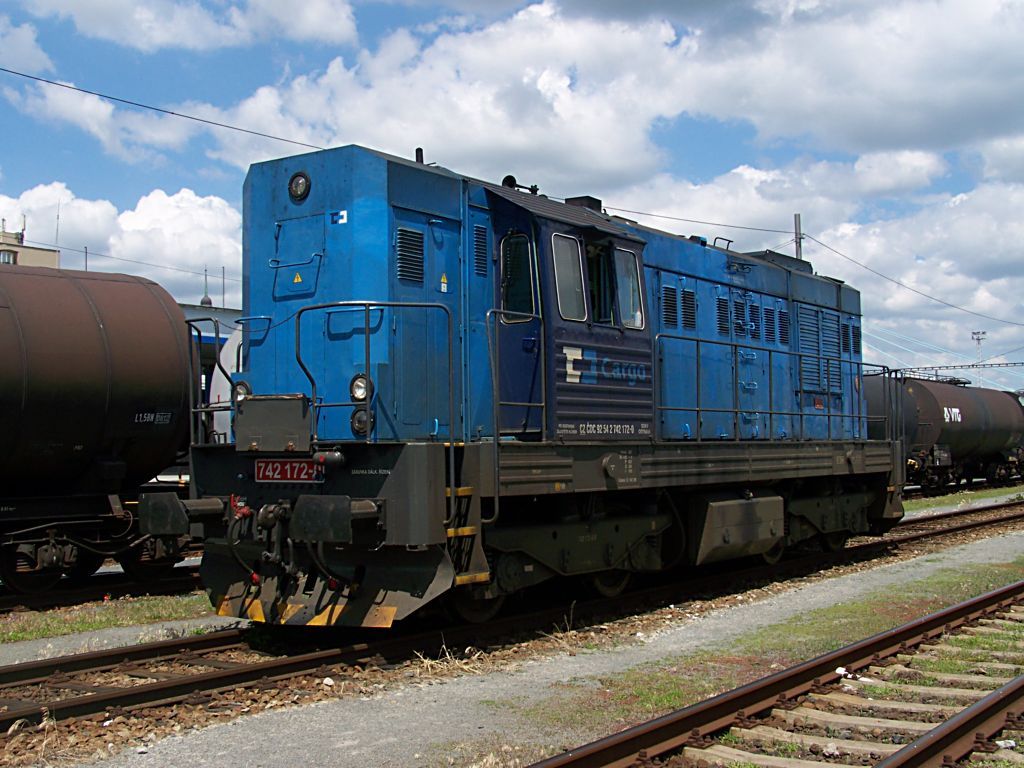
(360, 388)
(241, 390)
(361, 421)
(298, 187)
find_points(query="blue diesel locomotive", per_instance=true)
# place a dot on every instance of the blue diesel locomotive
(451, 387)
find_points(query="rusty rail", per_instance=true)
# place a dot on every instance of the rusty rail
(674, 730)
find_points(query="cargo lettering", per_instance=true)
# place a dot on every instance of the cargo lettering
(952, 415)
(583, 366)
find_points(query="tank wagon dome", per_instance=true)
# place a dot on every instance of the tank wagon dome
(94, 390)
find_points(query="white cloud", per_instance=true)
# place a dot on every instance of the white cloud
(573, 96)
(192, 25)
(186, 231)
(129, 135)
(569, 99)
(82, 222)
(962, 250)
(870, 76)
(325, 21)
(1003, 158)
(896, 172)
(19, 49)
(183, 232)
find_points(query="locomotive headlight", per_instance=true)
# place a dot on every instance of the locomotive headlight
(298, 187)
(241, 390)
(361, 421)
(360, 388)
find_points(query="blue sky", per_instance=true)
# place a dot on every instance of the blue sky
(895, 128)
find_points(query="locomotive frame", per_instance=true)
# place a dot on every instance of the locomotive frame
(530, 396)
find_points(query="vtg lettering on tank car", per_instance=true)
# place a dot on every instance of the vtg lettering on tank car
(462, 389)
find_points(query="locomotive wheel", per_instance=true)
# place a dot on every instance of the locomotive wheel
(86, 564)
(475, 610)
(833, 542)
(140, 566)
(610, 583)
(20, 571)
(773, 555)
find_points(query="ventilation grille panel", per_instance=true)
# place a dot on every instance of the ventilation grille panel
(769, 324)
(669, 306)
(754, 316)
(784, 326)
(689, 309)
(739, 317)
(722, 315)
(480, 250)
(409, 244)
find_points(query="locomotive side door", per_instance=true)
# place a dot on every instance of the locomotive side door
(518, 337)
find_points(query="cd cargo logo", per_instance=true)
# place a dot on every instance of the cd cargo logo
(583, 366)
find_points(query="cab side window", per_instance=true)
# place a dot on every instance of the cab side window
(627, 289)
(516, 278)
(569, 277)
(601, 286)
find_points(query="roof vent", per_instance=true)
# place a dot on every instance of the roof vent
(585, 201)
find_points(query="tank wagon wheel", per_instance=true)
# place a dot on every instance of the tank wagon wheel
(610, 583)
(139, 564)
(474, 610)
(773, 555)
(20, 570)
(86, 564)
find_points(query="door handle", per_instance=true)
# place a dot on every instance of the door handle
(529, 344)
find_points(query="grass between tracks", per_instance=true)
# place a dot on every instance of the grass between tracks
(123, 612)
(614, 702)
(963, 498)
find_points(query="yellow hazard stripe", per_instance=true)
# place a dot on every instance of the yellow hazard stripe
(472, 578)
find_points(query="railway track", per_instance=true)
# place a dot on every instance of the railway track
(192, 669)
(904, 711)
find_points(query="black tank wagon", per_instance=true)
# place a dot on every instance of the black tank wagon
(94, 395)
(953, 432)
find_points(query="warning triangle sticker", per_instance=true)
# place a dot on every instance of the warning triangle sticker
(298, 278)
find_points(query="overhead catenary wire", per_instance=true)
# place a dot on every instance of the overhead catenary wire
(936, 348)
(982, 379)
(161, 110)
(698, 221)
(884, 276)
(97, 254)
(901, 363)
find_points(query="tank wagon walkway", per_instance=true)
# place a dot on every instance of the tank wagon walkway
(414, 726)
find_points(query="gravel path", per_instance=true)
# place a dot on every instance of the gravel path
(412, 726)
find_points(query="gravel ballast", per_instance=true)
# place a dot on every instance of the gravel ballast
(415, 724)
